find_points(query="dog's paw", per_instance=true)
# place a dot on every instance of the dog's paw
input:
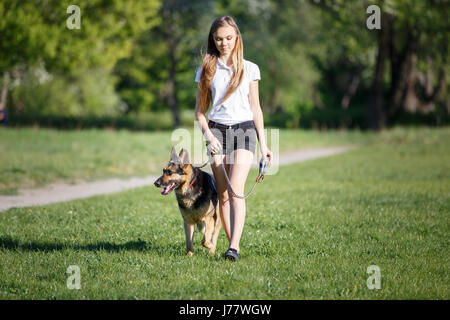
(212, 250)
(190, 253)
(207, 244)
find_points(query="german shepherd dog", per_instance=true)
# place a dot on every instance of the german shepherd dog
(196, 194)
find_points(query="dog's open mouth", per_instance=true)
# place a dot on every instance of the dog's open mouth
(168, 189)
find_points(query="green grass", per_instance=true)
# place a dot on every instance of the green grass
(31, 158)
(311, 232)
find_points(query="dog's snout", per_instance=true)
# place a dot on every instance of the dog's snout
(157, 183)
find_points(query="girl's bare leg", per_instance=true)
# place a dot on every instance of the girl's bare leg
(222, 191)
(239, 172)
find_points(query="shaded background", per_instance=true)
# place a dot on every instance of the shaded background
(132, 63)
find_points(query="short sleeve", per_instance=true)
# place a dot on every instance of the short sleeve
(255, 73)
(198, 74)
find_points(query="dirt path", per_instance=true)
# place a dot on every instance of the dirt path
(64, 192)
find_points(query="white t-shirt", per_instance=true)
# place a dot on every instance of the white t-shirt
(237, 107)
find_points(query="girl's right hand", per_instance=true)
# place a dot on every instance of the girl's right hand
(214, 145)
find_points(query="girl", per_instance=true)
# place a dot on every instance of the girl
(230, 83)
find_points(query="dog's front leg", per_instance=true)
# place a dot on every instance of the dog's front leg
(189, 231)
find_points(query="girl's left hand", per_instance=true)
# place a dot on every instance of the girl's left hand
(266, 153)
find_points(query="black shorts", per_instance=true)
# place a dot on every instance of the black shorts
(238, 136)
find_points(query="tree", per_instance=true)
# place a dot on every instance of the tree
(412, 52)
(419, 63)
(34, 32)
(280, 36)
(160, 72)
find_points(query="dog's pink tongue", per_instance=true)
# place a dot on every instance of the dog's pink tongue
(167, 189)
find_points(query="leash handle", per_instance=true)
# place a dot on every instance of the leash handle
(263, 164)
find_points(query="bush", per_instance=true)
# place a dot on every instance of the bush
(88, 92)
(148, 121)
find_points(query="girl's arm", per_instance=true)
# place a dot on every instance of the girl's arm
(201, 118)
(258, 119)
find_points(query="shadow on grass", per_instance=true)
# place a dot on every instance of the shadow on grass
(138, 245)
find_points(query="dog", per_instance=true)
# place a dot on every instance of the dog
(196, 193)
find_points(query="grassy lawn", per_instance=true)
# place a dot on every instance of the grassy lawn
(35, 157)
(311, 230)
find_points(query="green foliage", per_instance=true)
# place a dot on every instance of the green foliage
(280, 37)
(141, 56)
(173, 43)
(87, 92)
(427, 20)
(35, 31)
(25, 37)
(351, 50)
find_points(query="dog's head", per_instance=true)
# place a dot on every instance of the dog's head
(177, 172)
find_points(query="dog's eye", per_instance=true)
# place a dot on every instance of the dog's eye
(167, 172)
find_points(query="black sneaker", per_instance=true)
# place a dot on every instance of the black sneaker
(232, 254)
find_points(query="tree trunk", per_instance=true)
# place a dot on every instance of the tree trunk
(351, 90)
(410, 102)
(274, 95)
(3, 96)
(274, 101)
(4, 92)
(433, 94)
(172, 86)
(376, 112)
(170, 35)
(403, 66)
(424, 101)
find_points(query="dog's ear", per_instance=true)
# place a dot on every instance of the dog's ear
(184, 157)
(173, 156)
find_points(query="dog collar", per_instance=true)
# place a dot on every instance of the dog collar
(190, 185)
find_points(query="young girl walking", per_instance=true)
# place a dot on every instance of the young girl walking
(228, 87)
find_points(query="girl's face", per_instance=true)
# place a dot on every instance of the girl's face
(225, 39)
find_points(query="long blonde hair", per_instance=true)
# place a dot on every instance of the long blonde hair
(209, 63)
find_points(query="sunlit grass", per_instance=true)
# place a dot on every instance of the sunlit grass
(311, 232)
(35, 157)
